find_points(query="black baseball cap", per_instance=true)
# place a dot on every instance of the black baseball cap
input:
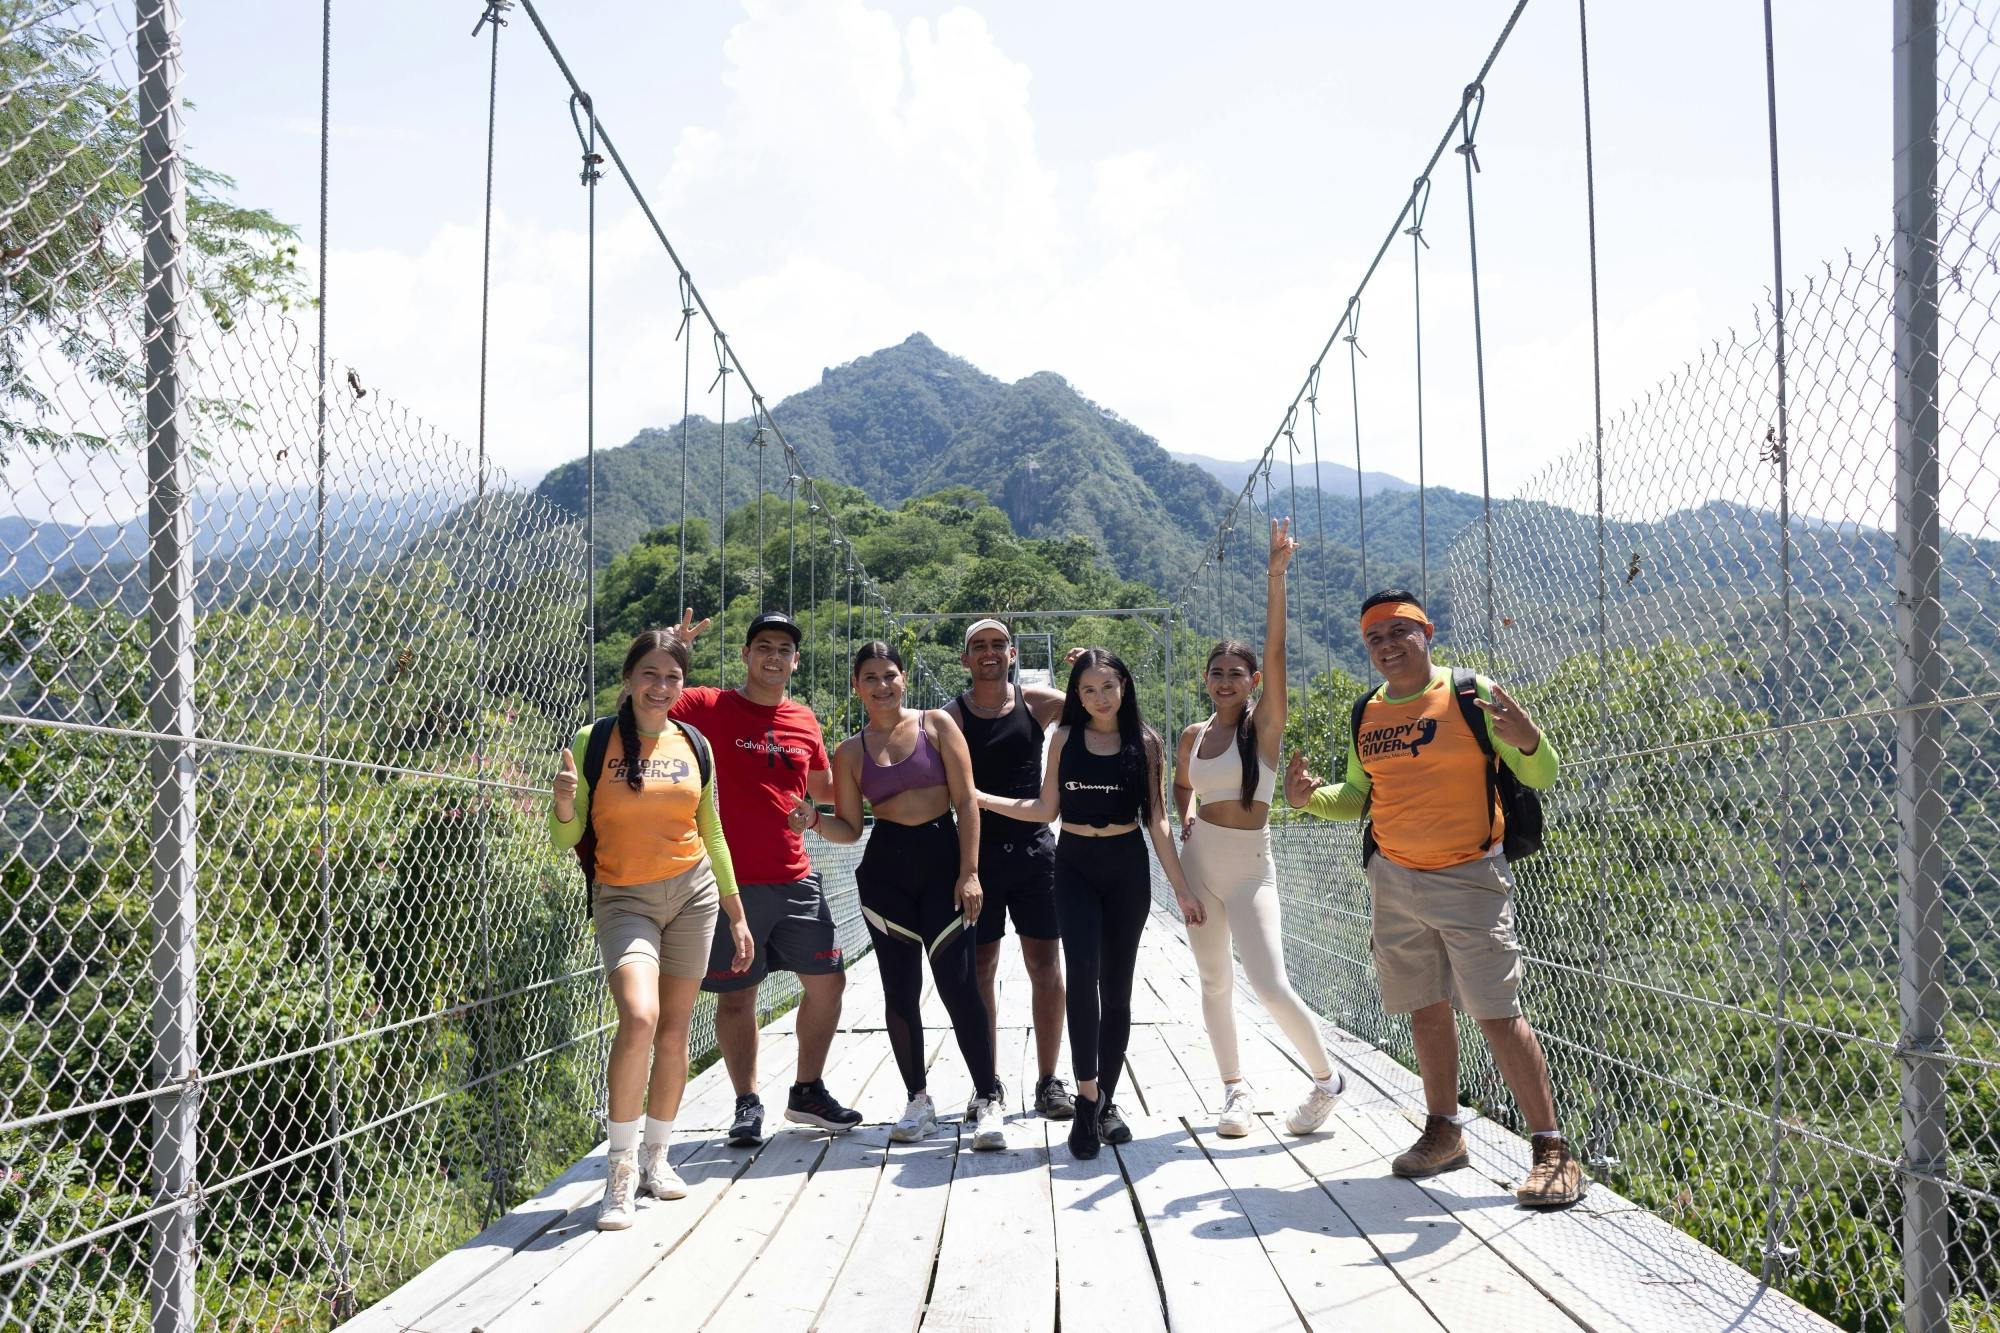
(773, 620)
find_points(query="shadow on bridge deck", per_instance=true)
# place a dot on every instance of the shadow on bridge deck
(1179, 1229)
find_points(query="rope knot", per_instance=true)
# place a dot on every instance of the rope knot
(494, 10)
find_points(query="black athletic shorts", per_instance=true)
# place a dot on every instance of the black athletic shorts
(793, 929)
(1017, 869)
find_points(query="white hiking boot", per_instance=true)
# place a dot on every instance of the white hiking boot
(657, 1176)
(989, 1131)
(621, 1189)
(919, 1121)
(1311, 1113)
(1237, 1114)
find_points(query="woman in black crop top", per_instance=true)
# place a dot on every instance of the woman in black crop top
(1102, 777)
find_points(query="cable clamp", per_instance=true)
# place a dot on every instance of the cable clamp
(494, 9)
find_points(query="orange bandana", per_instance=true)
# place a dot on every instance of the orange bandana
(1382, 611)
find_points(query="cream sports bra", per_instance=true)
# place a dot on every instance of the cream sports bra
(1221, 778)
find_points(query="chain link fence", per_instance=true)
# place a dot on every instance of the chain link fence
(294, 994)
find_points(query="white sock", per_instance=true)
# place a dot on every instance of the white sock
(659, 1131)
(624, 1136)
(1331, 1083)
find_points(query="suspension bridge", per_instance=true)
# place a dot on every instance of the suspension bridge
(299, 1025)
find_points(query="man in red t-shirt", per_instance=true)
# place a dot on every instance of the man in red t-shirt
(768, 752)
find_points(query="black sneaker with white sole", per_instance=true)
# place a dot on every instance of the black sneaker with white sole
(1053, 1100)
(747, 1130)
(811, 1104)
(1111, 1126)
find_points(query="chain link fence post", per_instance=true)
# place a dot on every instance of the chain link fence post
(170, 683)
(1927, 1280)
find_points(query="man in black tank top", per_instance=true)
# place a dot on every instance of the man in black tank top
(1004, 727)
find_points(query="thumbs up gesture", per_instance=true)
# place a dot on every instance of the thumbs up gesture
(564, 788)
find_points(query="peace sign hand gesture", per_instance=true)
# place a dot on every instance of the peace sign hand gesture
(688, 630)
(1511, 722)
(1283, 545)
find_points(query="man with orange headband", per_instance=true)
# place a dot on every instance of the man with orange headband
(1442, 896)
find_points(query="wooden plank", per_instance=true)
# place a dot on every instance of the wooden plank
(1103, 1271)
(784, 1287)
(466, 1265)
(861, 976)
(1154, 1083)
(713, 1105)
(1464, 1284)
(603, 1265)
(996, 1262)
(1336, 1277)
(882, 1285)
(1212, 1266)
(687, 1286)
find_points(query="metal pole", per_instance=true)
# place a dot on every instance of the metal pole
(170, 702)
(1920, 806)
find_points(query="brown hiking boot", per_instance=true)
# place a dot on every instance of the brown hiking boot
(1442, 1148)
(1555, 1178)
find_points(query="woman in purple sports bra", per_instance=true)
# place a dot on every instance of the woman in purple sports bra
(919, 881)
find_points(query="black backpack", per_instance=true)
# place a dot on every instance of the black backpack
(1520, 805)
(594, 751)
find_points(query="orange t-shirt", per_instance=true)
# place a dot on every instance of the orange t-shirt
(652, 833)
(1428, 779)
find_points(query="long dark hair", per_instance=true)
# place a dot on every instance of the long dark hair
(1246, 726)
(1136, 740)
(646, 641)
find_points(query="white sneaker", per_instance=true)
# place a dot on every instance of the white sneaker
(919, 1120)
(1311, 1113)
(657, 1176)
(621, 1187)
(989, 1130)
(1237, 1114)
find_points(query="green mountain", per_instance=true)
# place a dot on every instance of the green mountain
(911, 420)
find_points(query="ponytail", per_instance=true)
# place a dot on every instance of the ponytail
(628, 738)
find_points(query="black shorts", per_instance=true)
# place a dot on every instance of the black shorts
(793, 930)
(1017, 869)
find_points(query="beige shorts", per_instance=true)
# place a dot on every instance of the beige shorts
(667, 923)
(1446, 935)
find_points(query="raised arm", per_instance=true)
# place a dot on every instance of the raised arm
(1270, 715)
(1045, 706)
(1040, 809)
(1163, 841)
(965, 802)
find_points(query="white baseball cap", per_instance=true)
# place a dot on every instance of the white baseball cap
(988, 623)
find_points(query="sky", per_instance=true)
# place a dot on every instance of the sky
(1166, 203)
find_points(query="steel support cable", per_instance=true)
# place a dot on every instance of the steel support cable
(1352, 339)
(1600, 1148)
(686, 340)
(758, 440)
(691, 294)
(1395, 230)
(1776, 1252)
(1474, 106)
(342, 1295)
(1420, 202)
(491, 18)
(791, 536)
(1325, 557)
(722, 374)
(588, 177)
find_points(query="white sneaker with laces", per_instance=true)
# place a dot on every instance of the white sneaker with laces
(657, 1176)
(1237, 1114)
(621, 1188)
(919, 1120)
(1311, 1113)
(989, 1130)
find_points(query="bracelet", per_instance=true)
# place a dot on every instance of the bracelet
(816, 818)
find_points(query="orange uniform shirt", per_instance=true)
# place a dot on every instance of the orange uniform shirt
(649, 834)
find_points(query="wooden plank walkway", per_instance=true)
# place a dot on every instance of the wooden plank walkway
(1178, 1230)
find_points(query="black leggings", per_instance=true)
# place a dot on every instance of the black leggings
(906, 878)
(1103, 892)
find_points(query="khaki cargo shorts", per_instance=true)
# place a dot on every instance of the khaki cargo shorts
(667, 922)
(1446, 935)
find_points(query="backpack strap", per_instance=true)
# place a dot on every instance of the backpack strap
(1367, 801)
(1465, 687)
(596, 748)
(704, 759)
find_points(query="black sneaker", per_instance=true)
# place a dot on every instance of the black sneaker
(1083, 1129)
(1111, 1126)
(811, 1104)
(747, 1130)
(1052, 1099)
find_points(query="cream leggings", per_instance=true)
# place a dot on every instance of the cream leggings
(1230, 870)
